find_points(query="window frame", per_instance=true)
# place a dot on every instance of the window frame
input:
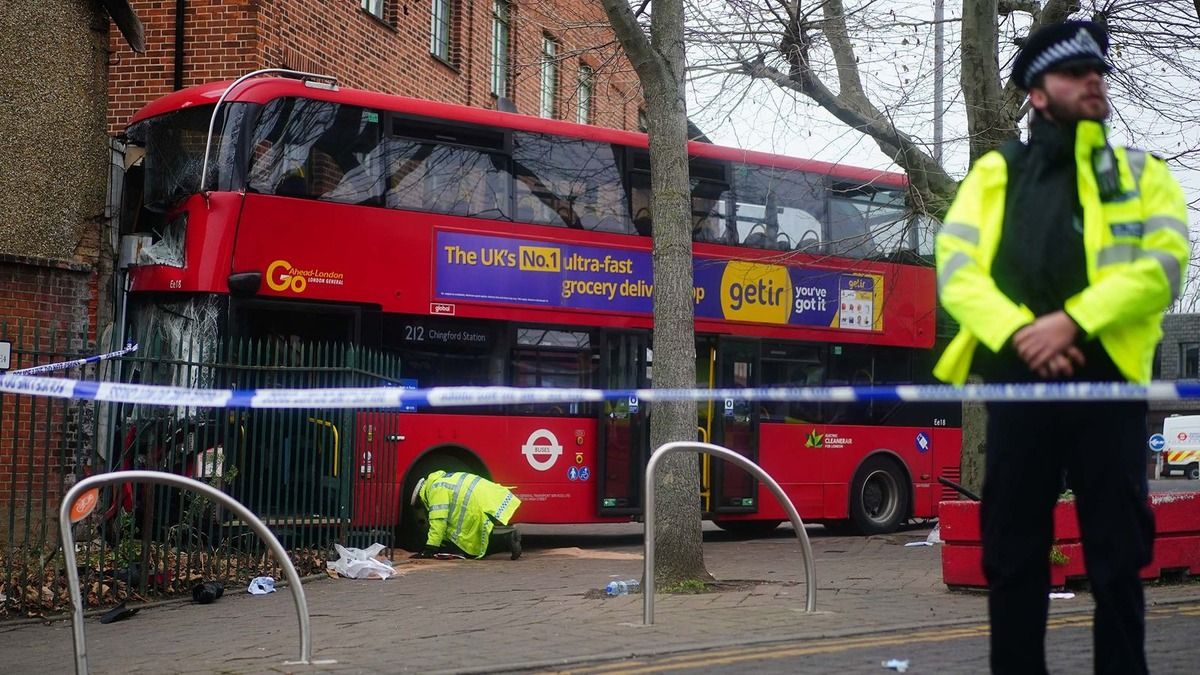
(501, 26)
(439, 29)
(375, 8)
(548, 73)
(1184, 373)
(584, 91)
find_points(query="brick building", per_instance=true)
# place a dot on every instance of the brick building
(557, 58)
(1177, 358)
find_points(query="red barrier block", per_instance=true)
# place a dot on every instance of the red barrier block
(1176, 541)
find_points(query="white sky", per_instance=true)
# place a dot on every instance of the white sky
(760, 116)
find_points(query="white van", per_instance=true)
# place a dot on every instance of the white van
(1182, 451)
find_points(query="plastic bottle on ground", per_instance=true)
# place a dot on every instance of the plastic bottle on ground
(622, 587)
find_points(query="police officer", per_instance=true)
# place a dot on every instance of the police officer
(463, 510)
(1057, 259)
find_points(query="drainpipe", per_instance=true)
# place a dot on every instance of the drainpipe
(180, 6)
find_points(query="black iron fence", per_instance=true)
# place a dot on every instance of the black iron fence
(300, 470)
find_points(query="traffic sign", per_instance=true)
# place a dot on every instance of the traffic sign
(1157, 442)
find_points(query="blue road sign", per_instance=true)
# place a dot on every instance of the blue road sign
(1157, 442)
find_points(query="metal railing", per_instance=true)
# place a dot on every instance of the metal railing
(162, 478)
(810, 575)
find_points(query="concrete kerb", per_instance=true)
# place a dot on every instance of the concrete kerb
(686, 647)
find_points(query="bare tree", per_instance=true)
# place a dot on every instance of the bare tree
(657, 56)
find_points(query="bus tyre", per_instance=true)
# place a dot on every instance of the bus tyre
(748, 529)
(410, 534)
(1193, 471)
(879, 496)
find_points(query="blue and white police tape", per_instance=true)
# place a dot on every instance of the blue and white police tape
(441, 397)
(128, 349)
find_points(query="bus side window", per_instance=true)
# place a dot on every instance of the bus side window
(569, 183)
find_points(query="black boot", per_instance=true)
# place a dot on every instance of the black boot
(514, 543)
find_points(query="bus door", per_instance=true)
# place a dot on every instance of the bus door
(624, 427)
(734, 425)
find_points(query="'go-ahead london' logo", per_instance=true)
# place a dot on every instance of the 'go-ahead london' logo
(283, 276)
(541, 449)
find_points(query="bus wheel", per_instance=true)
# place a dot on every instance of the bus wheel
(1193, 471)
(879, 496)
(749, 529)
(410, 534)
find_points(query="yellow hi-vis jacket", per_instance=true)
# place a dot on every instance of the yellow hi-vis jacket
(1136, 248)
(462, 507)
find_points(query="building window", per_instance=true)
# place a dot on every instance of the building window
(583, 97)
(373, 6)
(439, 43)
(500, 19)
(1189, 360)
(549, 76)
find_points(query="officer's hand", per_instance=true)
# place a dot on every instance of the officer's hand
(427, 553)
(1063, 365)
(1047, 337)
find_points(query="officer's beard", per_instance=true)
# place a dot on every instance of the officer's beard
(1081, 109)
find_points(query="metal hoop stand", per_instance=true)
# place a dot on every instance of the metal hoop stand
(162, 478)
(810, 575)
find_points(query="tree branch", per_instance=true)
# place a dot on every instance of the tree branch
(645, 60)
(1030, 7)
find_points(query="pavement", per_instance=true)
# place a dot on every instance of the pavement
(544, 612)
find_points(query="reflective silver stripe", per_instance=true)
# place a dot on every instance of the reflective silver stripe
(955, 263)
(968, 233)
(1137, 164)
(439, 507)
(462, 509)
(1117, 253)
(1170, 267)
(1166, 223)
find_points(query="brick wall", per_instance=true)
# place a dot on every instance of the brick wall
(223, 40)
(48, 315)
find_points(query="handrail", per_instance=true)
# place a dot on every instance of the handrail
(212, 122)
(336, 440)
(810, 575)
(163, 478)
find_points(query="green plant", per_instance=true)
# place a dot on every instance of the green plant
(1057, 557)
(687, 586)
(128, 549)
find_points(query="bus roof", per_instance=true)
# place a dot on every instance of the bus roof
(266, 89)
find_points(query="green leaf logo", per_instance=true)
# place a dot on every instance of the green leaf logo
(814, 440)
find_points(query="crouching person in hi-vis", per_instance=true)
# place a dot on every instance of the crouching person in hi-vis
(464, 509)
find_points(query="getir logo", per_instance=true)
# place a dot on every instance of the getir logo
(756, 292)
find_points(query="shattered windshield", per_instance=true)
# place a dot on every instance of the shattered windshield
(174, 145)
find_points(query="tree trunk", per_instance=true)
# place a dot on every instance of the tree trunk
(659, 62)
(989, 121)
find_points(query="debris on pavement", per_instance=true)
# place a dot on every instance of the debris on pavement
(1062, 596)
(261, 586)
(935, 535)
(918, 543)
(898, 665)
(207, 592)
(118, 613)
(357, 563)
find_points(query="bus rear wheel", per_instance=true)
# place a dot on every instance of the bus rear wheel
(879, 496)
(748, 529)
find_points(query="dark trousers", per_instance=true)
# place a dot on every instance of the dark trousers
(1101, 449)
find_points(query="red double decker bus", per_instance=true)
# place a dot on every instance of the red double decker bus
(488, 248)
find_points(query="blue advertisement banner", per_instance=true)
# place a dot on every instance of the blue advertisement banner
(484, 268)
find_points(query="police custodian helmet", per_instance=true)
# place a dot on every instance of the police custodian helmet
(1061, 45)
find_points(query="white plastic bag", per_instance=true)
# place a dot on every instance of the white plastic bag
(358, 563)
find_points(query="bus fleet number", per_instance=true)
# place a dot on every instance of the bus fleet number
(939, 421)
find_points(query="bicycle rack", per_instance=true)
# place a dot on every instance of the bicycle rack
(810, 576)
(163, 478)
